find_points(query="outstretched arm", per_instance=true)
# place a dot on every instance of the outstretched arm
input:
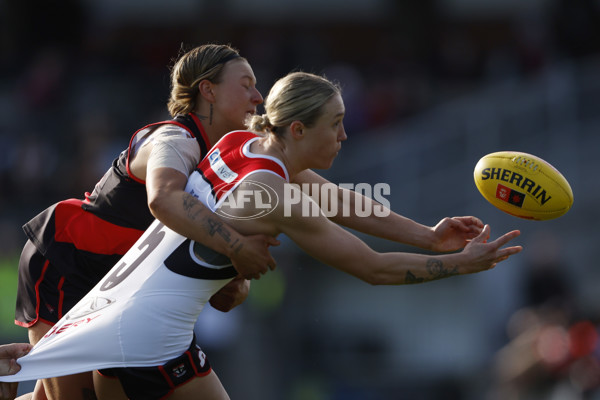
(449, 234)
(337, 247)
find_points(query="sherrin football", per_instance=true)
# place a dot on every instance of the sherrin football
(523, 185)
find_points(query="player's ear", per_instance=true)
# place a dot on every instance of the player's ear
(297, 130)
(205, 88)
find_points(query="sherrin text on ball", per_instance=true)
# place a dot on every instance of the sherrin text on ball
(523, 185)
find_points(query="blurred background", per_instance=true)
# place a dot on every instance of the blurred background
(430, 87)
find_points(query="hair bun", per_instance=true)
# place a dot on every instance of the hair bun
(260, 123)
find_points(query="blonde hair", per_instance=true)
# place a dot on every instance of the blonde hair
(299, 96)
(192, 67)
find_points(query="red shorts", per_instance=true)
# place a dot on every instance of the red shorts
(160, 382)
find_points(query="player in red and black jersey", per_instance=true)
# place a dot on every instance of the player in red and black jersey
(72, 244)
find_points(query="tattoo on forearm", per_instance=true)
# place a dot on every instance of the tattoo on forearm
(213, 226)
(411, 278)
(190, 205)
(436, 270)
(236, 246)
(216, 228)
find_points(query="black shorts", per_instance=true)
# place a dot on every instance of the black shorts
(150, 383)
(43, 293)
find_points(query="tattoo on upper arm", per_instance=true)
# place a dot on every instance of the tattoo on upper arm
(436, 270)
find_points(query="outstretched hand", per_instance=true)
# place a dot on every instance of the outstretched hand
(485, 255)
(252, 258)
(452, 234)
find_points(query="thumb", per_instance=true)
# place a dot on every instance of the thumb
(13, 367)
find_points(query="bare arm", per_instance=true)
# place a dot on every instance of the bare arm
(449, 234)
(332, 245)
(182, 212)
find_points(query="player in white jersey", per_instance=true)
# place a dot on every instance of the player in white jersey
(303, 129)
(142, 313)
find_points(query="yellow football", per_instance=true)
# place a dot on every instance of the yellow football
(523, 185)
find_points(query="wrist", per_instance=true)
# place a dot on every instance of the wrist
(221, 237)
(425, 238)
(233, 246)
(431, 238)
(458, 262)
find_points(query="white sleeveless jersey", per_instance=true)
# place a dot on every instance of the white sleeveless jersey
(142, 313)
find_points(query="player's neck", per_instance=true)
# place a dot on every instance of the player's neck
(215, 131)
(277, 148)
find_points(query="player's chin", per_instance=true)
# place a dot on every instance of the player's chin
(329, 165)
(332, 159)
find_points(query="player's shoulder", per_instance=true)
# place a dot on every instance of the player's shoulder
(268, 182)
(171, 131)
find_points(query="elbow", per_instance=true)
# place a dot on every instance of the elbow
(165, 189)
(158, 205)
(374, 278)
(372, 269)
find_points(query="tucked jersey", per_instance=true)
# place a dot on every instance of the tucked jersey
(143, 312)
(85, 238)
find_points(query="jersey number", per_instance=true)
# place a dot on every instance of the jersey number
(123, 270)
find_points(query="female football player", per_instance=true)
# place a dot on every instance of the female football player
(137, 323)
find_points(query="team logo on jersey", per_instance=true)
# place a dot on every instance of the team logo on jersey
(249, 200)
(220, 168)
(88, 307)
